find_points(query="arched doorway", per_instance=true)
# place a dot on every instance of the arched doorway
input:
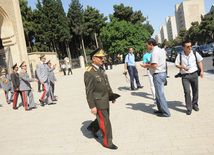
(6, 40)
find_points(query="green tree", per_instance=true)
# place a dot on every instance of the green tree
(207, 29)
(27, 19)
(126, 13)
(76, 24)
(118, 36)
(94, 21)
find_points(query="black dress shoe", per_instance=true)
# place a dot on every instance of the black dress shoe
(29, 109)
(42, 103)
(196, 108)
(92, 132)
(134, 89)
(15, 108)
(55, 100)
(114, 147)
(33, 107)
(140, 87)
(161, 115)
(188, 112)
(157, 112)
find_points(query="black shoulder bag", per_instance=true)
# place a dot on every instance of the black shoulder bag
(199, 69)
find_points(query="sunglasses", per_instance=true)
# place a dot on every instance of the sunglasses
(189, 46)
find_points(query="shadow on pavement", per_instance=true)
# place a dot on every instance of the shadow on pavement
(177, 105)
(88, 134)
(142, 107)
(123, 88)
(211, 71)
(141, 94)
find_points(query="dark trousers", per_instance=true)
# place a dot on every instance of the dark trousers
(110, 65)
(39, 86)
(103, 122)
(106, 66)
(187, 81)
(133, 73)
(16, 95)
(64, 71)
(69, 71)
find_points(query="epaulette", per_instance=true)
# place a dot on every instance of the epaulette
(22, 71)
(89, 69)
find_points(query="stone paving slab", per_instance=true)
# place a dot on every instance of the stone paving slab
(61, 128)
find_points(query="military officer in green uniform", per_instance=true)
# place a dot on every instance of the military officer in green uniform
(97, 93)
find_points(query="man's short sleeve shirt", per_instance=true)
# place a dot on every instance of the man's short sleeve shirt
(130, 59)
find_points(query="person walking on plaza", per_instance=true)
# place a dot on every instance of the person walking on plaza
(16, 83)
(25, 87)
(188, 63)
(69, 68)
(157, 69)
(146, 60)
(110, 62)
(131, 67)
(52, 79)
(63, 68)
(7, 86)
(39, 83)
(97, 94)
(42, 71)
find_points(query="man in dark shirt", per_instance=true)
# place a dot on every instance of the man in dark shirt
(15, 80)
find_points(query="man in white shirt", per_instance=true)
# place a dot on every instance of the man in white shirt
(157, 69)
(63, 67)
(187, 64)
(69, 68)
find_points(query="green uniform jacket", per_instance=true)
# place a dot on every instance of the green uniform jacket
(97, 88)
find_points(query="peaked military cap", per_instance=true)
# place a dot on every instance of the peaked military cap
(49, 62)
(23, 64)
(97, 53)
(42, 56)
(3, 71)
(14, 66)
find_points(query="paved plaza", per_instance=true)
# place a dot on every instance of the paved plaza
(61, 128)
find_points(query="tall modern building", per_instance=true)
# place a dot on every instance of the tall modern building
(188, 12)
(171, 27)
(163, 33)
(158, 38)
(211, 11)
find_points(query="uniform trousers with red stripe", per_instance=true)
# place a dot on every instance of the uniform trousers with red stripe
(16, 95)
(46, 93)
(11, 97)
(105, 125)
(28, 94)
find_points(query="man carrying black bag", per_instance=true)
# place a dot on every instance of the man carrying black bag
(189, 64)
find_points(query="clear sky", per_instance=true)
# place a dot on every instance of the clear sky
(157, 10)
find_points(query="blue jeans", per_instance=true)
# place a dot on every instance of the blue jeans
(133, 73)
(159, 80)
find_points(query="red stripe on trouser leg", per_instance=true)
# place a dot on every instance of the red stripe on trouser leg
(25, 100)
(43, 92)
(102, 126)
(5, 95)
(51, 97)
(14, 101)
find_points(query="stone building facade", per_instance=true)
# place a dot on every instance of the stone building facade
(13, 47)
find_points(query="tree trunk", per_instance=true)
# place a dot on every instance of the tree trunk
(29, 43)
(68, 52)
(95, 36)
(83, 46)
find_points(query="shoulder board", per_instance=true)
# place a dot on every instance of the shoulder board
(89, 69)
(22, 71)
(0, 78)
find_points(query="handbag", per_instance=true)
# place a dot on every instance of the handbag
(199, 69)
